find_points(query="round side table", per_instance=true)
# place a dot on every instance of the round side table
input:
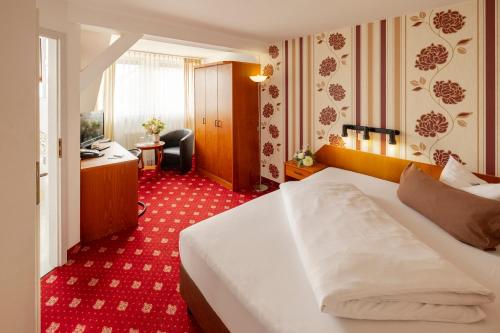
(157, 147)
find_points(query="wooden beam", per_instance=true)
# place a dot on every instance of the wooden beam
(95, 68)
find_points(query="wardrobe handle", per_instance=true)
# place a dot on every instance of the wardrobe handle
(219, 123)
(215, 123)
(204, 120)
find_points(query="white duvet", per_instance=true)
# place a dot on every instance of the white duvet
(363, 264)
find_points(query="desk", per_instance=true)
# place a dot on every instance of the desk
(108, 193)
(158, 148)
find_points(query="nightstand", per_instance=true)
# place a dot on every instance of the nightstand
(293, 172)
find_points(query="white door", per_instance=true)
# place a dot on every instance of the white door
(49, 154)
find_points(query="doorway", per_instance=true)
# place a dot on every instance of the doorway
(50, 154)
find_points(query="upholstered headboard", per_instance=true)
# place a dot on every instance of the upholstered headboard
(379, 166)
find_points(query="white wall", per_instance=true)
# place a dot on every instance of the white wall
(92, 43)
(117, 21)
(53, 16)
(18, 96)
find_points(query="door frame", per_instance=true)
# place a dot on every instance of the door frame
(62, 232)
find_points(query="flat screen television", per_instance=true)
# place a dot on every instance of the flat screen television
(91, 128)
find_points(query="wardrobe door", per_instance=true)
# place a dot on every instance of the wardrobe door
(225, 123)
(211, 136)
(200, 117)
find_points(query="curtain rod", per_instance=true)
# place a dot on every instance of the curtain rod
(166, 54)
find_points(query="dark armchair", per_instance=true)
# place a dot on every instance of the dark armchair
(178, 150)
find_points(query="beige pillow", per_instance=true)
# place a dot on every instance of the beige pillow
(490, 191)
(467, 217)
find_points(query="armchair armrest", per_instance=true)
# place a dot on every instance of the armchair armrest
(186, 151)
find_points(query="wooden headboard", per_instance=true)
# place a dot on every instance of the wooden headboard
(379, 166)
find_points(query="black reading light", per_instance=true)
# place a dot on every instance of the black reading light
(366, 132)
(392, 138)
(344, 131)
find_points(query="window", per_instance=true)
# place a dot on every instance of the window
(146, 85)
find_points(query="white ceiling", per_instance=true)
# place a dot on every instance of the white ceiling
(161, 45)
(148, 45)
(265, 20)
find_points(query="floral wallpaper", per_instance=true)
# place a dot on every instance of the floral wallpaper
(442, 85)
(431, 74)
(333, 67)
(271, 115)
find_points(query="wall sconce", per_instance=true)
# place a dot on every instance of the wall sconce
(258, 78)
(366, 132)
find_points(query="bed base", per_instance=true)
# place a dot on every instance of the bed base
(378, 166)
(198, 306)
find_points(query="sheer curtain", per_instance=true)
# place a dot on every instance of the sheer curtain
(189, 65)
(146, 85)
(105, 100)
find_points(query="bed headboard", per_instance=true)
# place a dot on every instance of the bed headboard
(379, 166)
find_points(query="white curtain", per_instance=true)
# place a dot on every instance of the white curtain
(106, 100)
(189, 65)
(147, 85)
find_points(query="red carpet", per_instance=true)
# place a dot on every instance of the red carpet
(129, 282)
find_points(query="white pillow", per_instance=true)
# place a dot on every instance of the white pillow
(456, 175)
(489, 191)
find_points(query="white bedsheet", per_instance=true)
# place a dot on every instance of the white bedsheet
(246, 265)
(363, 264)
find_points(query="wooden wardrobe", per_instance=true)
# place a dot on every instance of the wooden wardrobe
(226, 123)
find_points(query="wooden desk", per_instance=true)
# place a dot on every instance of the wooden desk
(108, 193)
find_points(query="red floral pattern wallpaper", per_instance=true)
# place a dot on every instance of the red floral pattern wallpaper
(421, 73)
(272, 114)
(442, 91)
(333, 63)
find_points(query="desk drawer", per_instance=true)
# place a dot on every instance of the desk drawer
(297, 173)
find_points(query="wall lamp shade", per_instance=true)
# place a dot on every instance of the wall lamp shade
(258, 78)
(366, 132)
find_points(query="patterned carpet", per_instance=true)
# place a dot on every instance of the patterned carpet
(129, 282)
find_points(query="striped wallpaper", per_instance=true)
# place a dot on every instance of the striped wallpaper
(432, 75)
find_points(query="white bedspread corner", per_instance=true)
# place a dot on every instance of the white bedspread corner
(363, 264)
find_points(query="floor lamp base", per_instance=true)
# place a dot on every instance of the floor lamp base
(260, 187)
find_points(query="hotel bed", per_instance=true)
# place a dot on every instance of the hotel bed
(244, 266)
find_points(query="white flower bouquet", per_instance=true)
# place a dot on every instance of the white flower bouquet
(304, 157)
(154, 126)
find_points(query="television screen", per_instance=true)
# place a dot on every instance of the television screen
(91, 127)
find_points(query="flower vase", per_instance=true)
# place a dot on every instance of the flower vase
(156, 138)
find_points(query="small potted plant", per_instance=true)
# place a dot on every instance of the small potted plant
(304, 157)
(154, 126)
